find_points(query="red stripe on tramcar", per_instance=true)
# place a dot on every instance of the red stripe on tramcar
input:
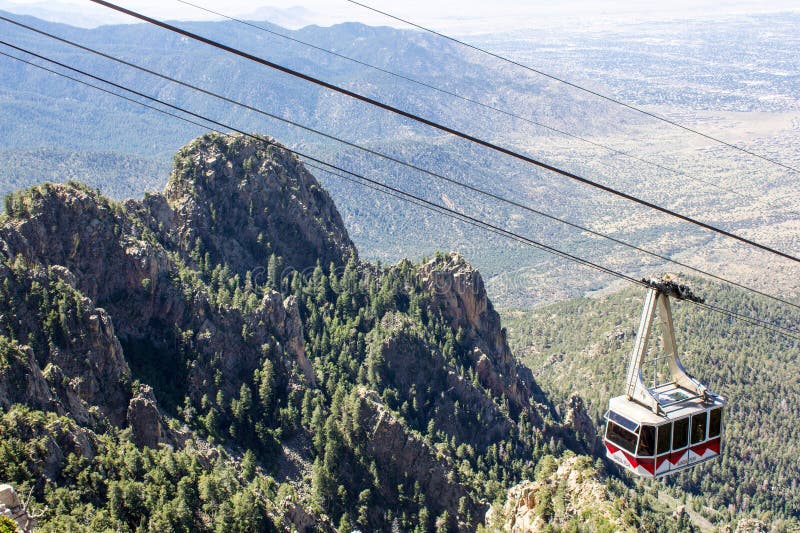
(649, 464)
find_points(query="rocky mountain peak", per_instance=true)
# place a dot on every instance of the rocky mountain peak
(242, 198)
(460, 295)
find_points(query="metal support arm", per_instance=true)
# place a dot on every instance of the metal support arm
(636, 389)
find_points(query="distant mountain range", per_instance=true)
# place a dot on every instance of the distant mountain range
(92, 16)
(49, 122)
(41, 110)
(88, 17)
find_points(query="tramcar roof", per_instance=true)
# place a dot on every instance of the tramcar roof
(640, 414)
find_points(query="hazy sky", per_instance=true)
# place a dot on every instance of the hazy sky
(464, 16)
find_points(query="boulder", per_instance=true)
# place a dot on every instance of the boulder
(144, 418)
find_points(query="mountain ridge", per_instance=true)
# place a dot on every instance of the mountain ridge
(350, 386)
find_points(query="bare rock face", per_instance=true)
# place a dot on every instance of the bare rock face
(402, 359)
(295, 343)
(243, 199)
(144, 418)
(283, 317)
(751, 525)
(399, 451)
(460, 296)
(73, 361)
(22, 381)
(579, 421)
(76, 228)
(299, 518)
(106, 365)
(529, 506)
(11, 506)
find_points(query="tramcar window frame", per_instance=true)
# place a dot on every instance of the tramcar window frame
(715, 423)
(622, 421)
(664, 444)
(647, 441)
(699, 428)
(676, 443)
(613, 430)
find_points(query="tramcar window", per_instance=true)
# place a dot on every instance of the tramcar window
(680, 433)
(621, 437)
(699, 423)
(714, 423)
(647, 441)
(664, 438)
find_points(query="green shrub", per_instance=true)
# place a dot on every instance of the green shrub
(7, 525)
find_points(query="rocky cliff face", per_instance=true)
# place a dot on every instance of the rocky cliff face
(389, 440)
(61, 352)
(571, 494)
(459, 293)
(421, 374)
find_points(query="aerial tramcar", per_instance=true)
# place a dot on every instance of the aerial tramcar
(661, 429)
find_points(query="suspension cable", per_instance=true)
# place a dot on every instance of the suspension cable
(443, 128)
(511, 114)
(579, 87)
